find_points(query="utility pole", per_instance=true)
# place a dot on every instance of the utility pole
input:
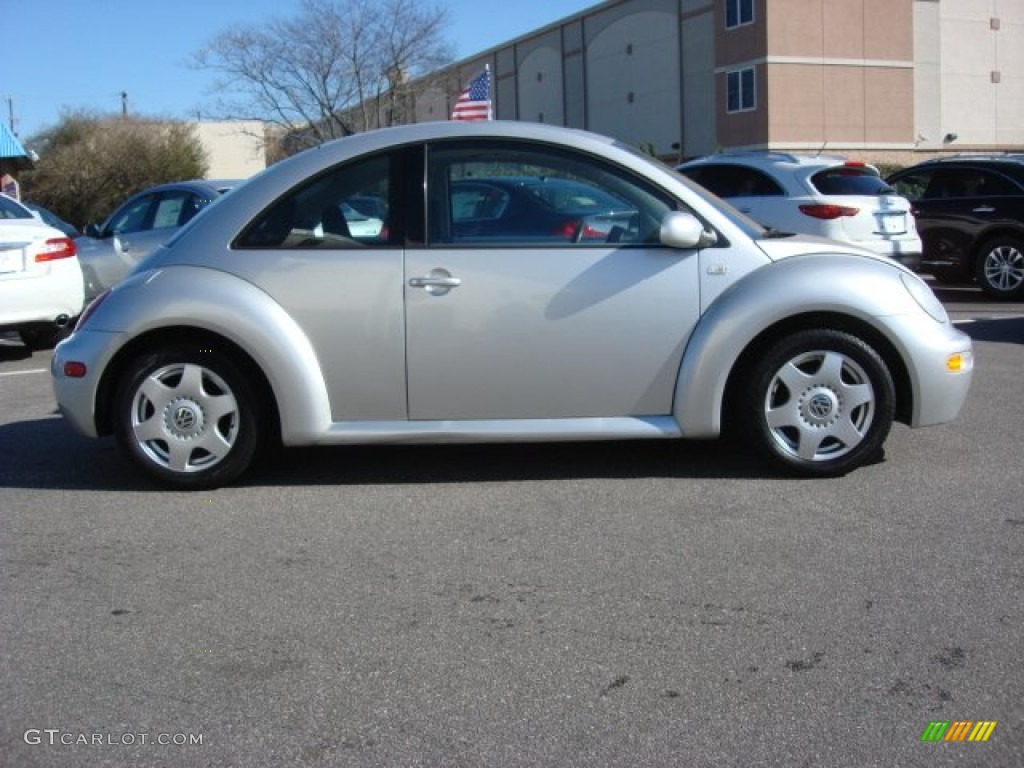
(10, 115)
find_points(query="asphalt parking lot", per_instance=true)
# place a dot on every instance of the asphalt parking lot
(637, 604)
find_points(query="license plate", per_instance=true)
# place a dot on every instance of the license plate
(12, 260)
(893, 223)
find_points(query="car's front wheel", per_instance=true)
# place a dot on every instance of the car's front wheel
(819, 402)
(188, 416)
(1000, 268)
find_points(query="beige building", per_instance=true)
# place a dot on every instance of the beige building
(888, 79)
(235, 149)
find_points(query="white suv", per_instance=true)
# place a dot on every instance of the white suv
(816, 195)
(41, 285)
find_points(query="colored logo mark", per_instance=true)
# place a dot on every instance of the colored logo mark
(958, 730)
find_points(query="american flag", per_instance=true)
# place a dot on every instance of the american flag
(475, 100)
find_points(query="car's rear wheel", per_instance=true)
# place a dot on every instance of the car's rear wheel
(819, 402)
(1000, 268)
(188, 416)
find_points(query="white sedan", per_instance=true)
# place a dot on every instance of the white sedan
(41, 286)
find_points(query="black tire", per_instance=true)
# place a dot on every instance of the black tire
(39, 337)
(818, 403)
(188, 416)
(999, 268)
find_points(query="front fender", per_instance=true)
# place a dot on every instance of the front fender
(854, 286)
(196, 297)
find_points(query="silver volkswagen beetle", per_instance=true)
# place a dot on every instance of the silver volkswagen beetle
(268, 319)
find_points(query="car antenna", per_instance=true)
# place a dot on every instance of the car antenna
(822, 149)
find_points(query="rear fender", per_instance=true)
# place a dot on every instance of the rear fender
(209, 300)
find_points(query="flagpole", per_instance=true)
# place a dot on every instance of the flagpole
(490, 92)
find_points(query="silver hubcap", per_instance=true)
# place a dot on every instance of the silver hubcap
(184, 417)
(1004, 268)
(819, 406)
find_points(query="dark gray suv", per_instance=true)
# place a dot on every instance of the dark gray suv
(970, 213)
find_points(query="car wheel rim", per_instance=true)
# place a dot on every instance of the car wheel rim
(819, 406)
(185, 418)
(1004, 268)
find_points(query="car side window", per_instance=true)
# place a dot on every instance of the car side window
(913, 186)
(988, 184)
(952, 183)
(727, 180)
(133, 217)
(174, 209)
(510, 194)
(346, 207)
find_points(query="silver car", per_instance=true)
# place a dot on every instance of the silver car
(267, 319)
(109, 251)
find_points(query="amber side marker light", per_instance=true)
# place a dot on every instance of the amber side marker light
(959, 362)
(74, 369)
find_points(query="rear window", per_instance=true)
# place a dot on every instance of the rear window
(11, 210)
(850, 181)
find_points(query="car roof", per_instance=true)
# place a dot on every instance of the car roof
(299, 167)
(777, 159)
(1011, 165)
(235, 210)
(192, 185)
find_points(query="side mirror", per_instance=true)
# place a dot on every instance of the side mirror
(685, 231)
(93, 230)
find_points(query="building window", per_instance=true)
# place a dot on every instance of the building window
(738, 13)
(741, 90)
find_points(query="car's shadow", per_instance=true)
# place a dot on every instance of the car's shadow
(48, 454)
(1009, 330)
(11, 352)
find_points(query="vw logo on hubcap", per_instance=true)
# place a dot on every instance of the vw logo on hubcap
(184, 418)
(820, 406)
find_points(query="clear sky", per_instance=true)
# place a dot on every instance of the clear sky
(57, 54)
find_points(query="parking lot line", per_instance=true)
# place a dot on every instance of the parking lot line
(22, 373)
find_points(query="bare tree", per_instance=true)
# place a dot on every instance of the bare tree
(337, 67)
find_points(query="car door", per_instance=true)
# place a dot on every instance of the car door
(103, 259)
(343, 286)
(502, 326)
(954, 207)
(171, 209)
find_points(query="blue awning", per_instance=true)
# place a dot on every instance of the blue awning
(10, 147)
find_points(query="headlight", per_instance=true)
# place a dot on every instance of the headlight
(924, 297)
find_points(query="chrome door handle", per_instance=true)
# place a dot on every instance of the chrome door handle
(984, 209)
(437, 283)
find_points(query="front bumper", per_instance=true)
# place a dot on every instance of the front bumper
(939, 393)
